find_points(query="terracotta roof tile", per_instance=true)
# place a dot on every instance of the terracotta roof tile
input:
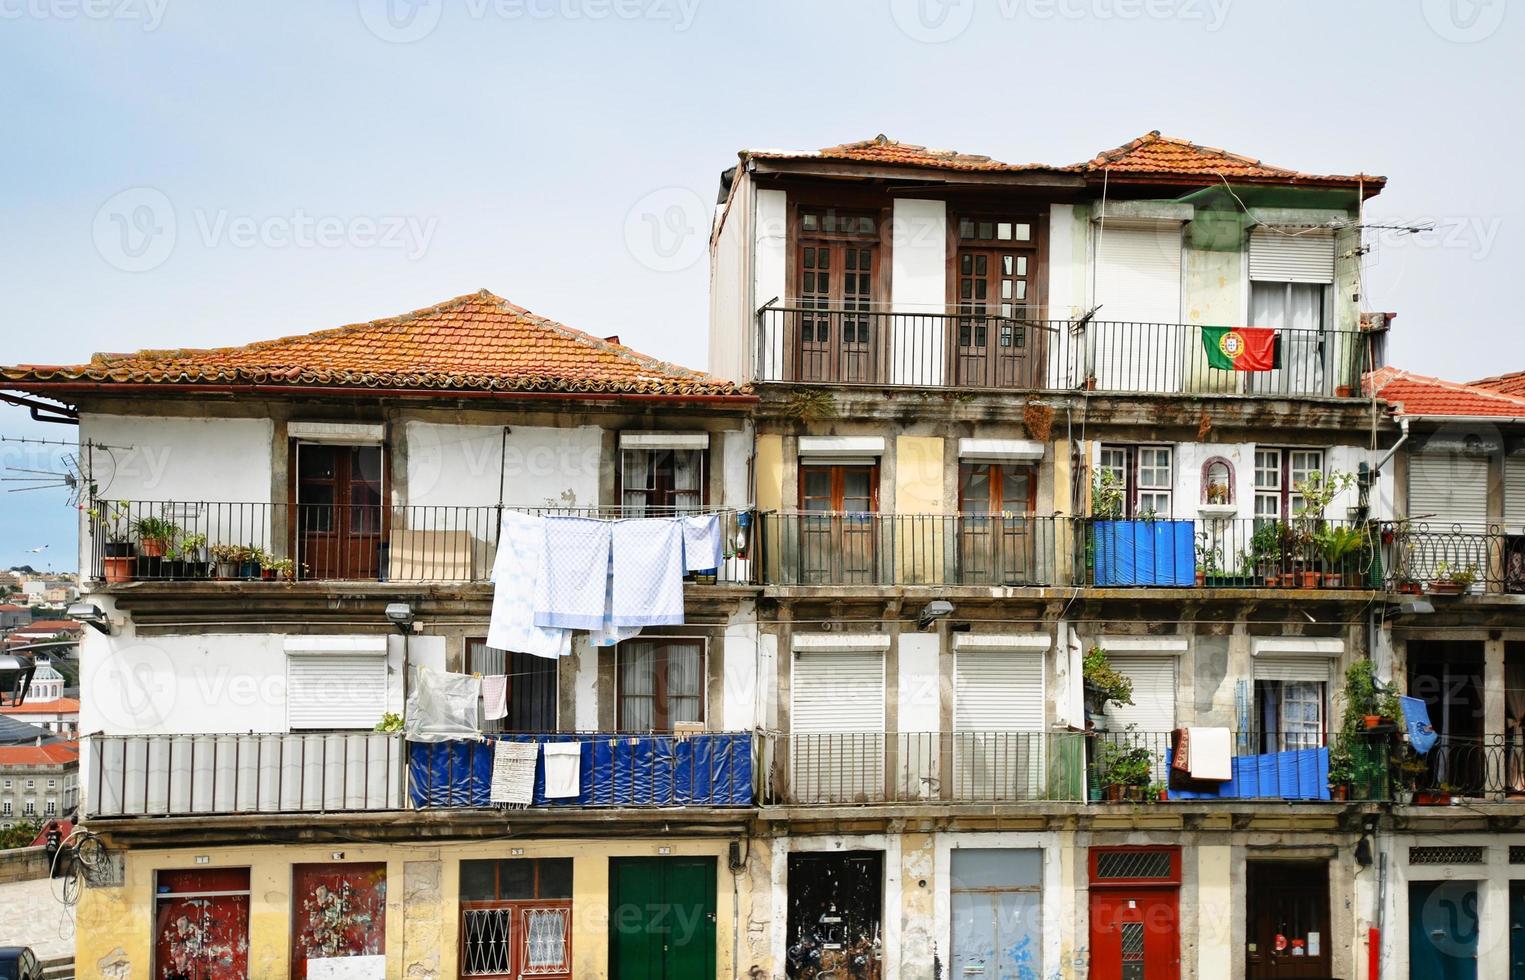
(882, 149)
(473, 342)
(54, 754)
(1418, 394)
(1508, 384)
(1166, 156)
(59, 706)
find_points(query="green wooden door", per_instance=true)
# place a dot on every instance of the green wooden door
(1443, 927)
(662, 918)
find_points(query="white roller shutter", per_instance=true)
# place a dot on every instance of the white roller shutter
(1452, 488)
(1154, 694)
(1292, 668)
(836, 741)
(1284, 257)
(1514, 492)
(335, 690)
(998, 691)
(1138, 271)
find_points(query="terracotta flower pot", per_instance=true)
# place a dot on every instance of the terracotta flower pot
(152, 547)
(1308, 580)
(118, 569)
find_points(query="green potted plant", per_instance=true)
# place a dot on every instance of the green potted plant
(1124, 768)
(1103, 684)
(1452, 579)
(193, 551)
(172, 562)
(1338, 544)
(1209, 559)
(118, 556)
(154, 535)
(273, 568)
(228, 559)
(1265, 554)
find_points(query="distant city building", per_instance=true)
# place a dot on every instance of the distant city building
(38, 782)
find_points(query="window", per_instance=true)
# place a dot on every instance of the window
(1291, 714)
(836, 279)
(1146, 474)
(531, 687)
(52, 808)
(1277, 473)
(837, 540)
(5, 808)
(52, 784)
(515, 917)
(7, 784)
(661, 481)
(30, 783)
(660, 684)
(30, 808)
(996, 488)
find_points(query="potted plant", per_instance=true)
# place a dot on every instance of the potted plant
(1317, 492)
(277, 569)
(1125, 767)
(1452, 580)
(1209, 558)
(118, 556)
(193, 551)
(228, 559)
(1342, 771)
(1103, 684)
(154, 535)
(172, 563)
(1405, 583)
(1439, 796)
(1338, 544)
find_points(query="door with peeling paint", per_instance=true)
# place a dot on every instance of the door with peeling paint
(996, 898)
(834, 928)
(201, 924)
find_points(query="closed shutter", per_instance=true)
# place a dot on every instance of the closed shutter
(836, 740)
(1282, 257)
(1514, 492)
(998, 691)
(1154, 694)
(1138, 272)
(335, 690)
(1449, 488)
(1292, 668)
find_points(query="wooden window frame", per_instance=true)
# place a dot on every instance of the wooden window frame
(838, 480)
(1132, 481)
(997, 475)
(667, 507)
(662, 722)
(1285, 478)
(518, 909)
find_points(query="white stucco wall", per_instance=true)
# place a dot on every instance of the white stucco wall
(770, 245)
(463, 465)
(919, 682)
(731, 303)
(1066, 262)
(745, 688)
(918, 284)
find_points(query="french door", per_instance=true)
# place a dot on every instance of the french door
(998, 342)
(837, 524)
(339, 521)
(997, 544)
(836, 272)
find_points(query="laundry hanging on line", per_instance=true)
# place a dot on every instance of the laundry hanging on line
(515, 575)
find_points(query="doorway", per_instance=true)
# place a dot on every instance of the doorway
(1135, 913)
(1287, 920)
(662, 918)
(1448, 676)
(838, 502)
(834, 925)
(1443, 928)
(339, 521)
(997, 903)
(202, 924)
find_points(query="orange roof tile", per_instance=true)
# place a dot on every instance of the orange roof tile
(1153, 155)
(1418, 394)
(58, 706)
(882, 149)
(52, 754)
(1508, 384)
(473, 342)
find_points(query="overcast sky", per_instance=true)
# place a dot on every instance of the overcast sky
(197, 174)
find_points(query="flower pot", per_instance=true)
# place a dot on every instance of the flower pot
(1431, 799)
(172, 568)
(1135, 793)
(198, 569)
(248, 569)
(1372, 721)
(1114, 792)
(152, 547)
(1410, 588)
(1334, 580)
(1272, 580)
(1339, 793)
(1343, 391)
(1308, 580)
(228, 569)
(118, 549)
(1443, 587)
(118, 568)
(1201, 579)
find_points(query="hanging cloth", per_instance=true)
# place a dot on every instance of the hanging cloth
(574, 574)
(515, 572)
(701, 543)
(563, 766)
(648, 572)
(494, 697)
(1416, 718)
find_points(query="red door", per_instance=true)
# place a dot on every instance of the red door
(1135, 914)
(340, 522)
(338, 910)
(202, 924)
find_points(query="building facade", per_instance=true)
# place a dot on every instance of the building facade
(38, 782)
(1020, 472)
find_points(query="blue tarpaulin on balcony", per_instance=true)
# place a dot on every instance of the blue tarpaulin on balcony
(1299, 774)
(713, 769)
(1153, 552)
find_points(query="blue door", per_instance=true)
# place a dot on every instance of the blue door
(1517, 930)
(1443, 930)
(996, 900)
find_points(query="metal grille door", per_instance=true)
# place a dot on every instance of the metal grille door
(488, 942)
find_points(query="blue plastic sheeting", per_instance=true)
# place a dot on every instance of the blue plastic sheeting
(1300, 774)
(616, 770)
(1145, 552)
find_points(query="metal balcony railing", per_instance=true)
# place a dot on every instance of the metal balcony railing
(191, 540)
(1023, 350)
(292, 772)
(1441, 559)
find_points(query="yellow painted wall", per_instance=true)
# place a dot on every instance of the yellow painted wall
(1215, 911)
(769, 472)
(115, 925)
(919, 539)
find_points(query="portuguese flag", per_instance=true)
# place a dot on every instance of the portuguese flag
(1240, 348)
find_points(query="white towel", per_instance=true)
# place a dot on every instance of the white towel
(515, 571)
(513, 772)
(494, 697)
(610, 635)
(1211, 754)
(563, 769)
(648, 572)
(574, 569)
(701, 543)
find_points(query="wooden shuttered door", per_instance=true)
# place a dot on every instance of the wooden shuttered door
(837, 726)
(998, 722)
(335, 690)
(1282, 256)
(1449, 488)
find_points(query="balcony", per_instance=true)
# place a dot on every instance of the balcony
(800, 345)
(1450, 561)
(349, 772)
(164, 540)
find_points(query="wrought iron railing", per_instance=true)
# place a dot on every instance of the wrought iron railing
(189, 540)
(1025, 351)
(290, 772)
(1442, 559)
(1488, 767)
(811, 548)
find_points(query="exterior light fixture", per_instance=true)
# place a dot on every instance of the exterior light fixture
(400, 614)
(91, 615)
(933, 611)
